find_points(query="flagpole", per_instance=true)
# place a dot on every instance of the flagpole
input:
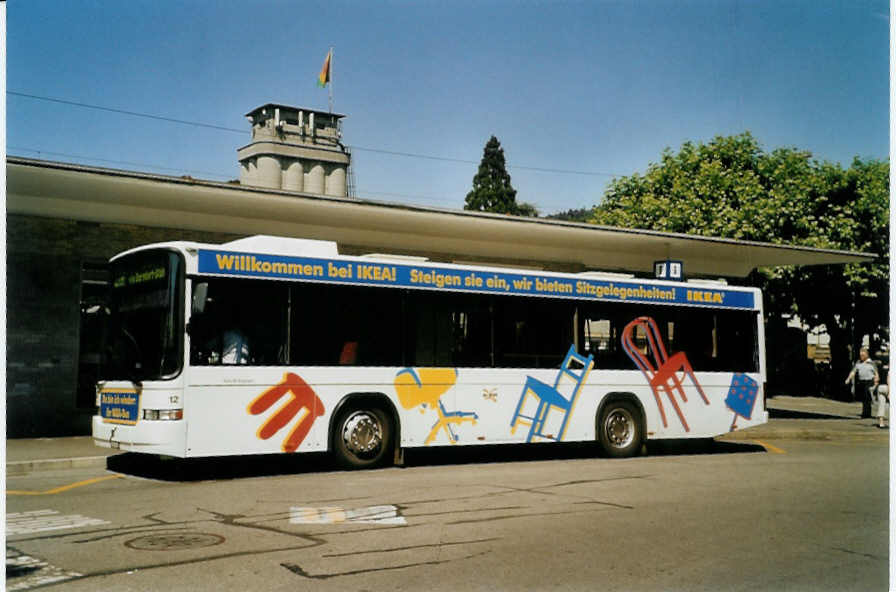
(331, 80)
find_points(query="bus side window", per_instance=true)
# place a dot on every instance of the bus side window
(377, 329)
(349, 355)
(601, 328)
(736, 341)
(695, 336)
(322, 323)
(597, 337)
(532, 332)
(243, 322)
(448, 330)
(345, 326)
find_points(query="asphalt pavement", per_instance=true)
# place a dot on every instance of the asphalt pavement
(790, 418)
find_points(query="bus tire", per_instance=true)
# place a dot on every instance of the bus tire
(362, 437)
(619, 429)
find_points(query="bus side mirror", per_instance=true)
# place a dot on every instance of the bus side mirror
(200, 297)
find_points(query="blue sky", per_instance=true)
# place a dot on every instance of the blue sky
(597, 87)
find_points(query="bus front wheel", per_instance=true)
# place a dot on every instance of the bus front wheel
(362, 437)
(620, 429)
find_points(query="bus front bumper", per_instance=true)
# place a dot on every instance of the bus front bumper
(149, 437)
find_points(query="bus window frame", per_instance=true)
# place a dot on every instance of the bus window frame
(176, 300)
(575, 313)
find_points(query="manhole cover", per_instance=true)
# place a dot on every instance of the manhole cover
(174, 542)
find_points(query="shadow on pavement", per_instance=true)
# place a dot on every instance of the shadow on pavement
(240, 467)
(498, 453)
(791, 414)
(221, 467)
(700, 446)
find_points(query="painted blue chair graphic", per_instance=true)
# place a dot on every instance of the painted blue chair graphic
(550, 397)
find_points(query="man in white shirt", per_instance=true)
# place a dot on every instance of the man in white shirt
(865, 373)
(234, 347)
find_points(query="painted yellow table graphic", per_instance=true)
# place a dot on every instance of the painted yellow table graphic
(425, 387)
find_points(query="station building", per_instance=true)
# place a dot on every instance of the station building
(64, 222)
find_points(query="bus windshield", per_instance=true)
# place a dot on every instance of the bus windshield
(145, 331)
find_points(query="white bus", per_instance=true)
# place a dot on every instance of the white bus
(265, 345)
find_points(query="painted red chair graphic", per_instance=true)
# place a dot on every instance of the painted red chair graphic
(662, 373)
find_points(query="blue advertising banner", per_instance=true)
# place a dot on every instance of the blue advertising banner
(119, 406)
(400, 275)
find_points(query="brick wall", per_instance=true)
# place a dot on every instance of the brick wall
(44, 258)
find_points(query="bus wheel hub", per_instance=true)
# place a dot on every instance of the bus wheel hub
(362, 433)
(619, 429)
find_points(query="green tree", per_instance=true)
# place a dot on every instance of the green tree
(492, 191)
(729, 187)
(527, 210)
(575, 215)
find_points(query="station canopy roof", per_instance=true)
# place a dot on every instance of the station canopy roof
(68, 191)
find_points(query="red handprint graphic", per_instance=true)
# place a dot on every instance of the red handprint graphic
(301, 397)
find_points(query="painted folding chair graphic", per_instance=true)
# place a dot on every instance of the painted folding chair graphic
(550, 397)
(662, 373)
(446, 420)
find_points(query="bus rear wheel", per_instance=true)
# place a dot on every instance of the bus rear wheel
(620, 429)
(362, 437)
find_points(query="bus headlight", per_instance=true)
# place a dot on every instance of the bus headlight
(163, 414)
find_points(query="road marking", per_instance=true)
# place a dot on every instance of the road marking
(769, 448)
(63, 487)
(43, 520)
(24, 572)
(335, 515)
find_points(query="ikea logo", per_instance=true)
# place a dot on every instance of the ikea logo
(706, 296)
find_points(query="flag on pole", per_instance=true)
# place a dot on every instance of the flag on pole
(324, 76)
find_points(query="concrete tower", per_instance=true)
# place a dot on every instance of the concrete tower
(296, 149)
